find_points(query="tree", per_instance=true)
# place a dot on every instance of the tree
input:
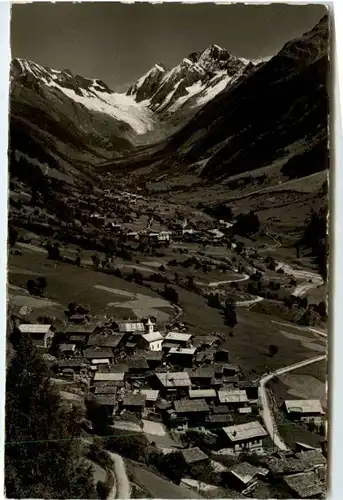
(171, 294)
(30, 285)
(230, 313)
(213, 300)
(42, 434)
(273, 350)
(41, 282)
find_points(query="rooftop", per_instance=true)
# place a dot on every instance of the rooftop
(178, 336)
(105, 400)
(106, 389)
(312, 458)
(108, 376)
(98, 339)
(305, 485)
(131, 399)
(137, 363)
(84, 329)
(152, 337)
(67, 347)
(36, 328)
(186, 406)
(96, 354)
(174, 379)
(202, 393)
(241, 432)
(206, 372)
(100, 361)
(193, 455)
(244, 471)
(232, 396)
(151, 394)
(182, 350)
(304, 406)
(131, 326)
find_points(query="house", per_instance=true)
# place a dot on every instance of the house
(207, 394)
(67, 349)
(305, 410)
(78, 318)
(217, 421)
(251, 388)
(151, 340)
(137, 366)
(99, 354)
(222, 355)
(194, 411)
(105, 377)
(194, 458)
(178, 338)
(77, 365)
(151, 397)
(134, 403)
(205, 341)
(82, 330)
(304, 485)
(100, 361)
(173, 383)
(131, 326)
(79, 340)
(181, 356)
(107, 388)
(40, 335)
(201, 377)
(108, 404)
(100, 340)
(153, 358)
(233, 398)
(244, 476)
(313, 459)
(246, 437)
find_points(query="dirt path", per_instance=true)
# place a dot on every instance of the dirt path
(121, 487)
(247, 303)
(311, 279)
(225, 282)
(267, 413)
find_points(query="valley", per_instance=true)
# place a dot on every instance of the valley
(167, 276)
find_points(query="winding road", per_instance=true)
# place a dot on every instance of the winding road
(121, 488)
(267, 414)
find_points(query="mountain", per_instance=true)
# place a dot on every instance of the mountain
(178, 93)
(69, 121)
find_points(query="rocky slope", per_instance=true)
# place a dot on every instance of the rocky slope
(177, 94)
(69, 121)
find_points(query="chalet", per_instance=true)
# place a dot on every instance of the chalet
(100, 340)
(174, 383)
(313, 459)
(134, 403)
(234, 399)
(77, 365)
(107, 388)
(131, 326)
(153, 358)
(246, 437)
(230, 370)
(178, 339)
(81, 330)
(137, 365)
(251, 387)
(217, 421)
(78, 319)
(222, 355)
(181, 356)
(305, 410)
(304, 485)
(67, 349)
(100, 361)
(99, 354)
(106, 377)
(79, 340)
(195, 412)
(244, 476)
(151, 397)
(194, 458)
(40, 335)
(201, 377)
(207, 394)
(205, 341)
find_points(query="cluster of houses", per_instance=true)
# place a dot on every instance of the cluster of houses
(184, 381)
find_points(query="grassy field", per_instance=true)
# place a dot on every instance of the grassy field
(67, 283)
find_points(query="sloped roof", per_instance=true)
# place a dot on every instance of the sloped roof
(36, 328)
(242, 432)
(152, 337)
(202, 393)
(98, 339)
(182, 350)
(178, 336)
(305, 485)
(244, 471)
(131, 326)
(186, 406)
(151, 394)
(174, 379)
(131, 399)
(232, 396)
(96, 354)
(312, 458)
(83, 329)
(304, 406)
(193, 455)
(108, 376)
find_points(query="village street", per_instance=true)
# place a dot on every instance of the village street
(267, 414)
(121, 488)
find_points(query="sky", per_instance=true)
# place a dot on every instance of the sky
(118, 43)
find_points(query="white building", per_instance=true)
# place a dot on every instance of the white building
(41, 335)
(151, 340)
(246, 437)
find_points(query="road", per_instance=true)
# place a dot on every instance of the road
(214, 284)
(246, 303)
(267, 414)
(300, 290)
(121, 487)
